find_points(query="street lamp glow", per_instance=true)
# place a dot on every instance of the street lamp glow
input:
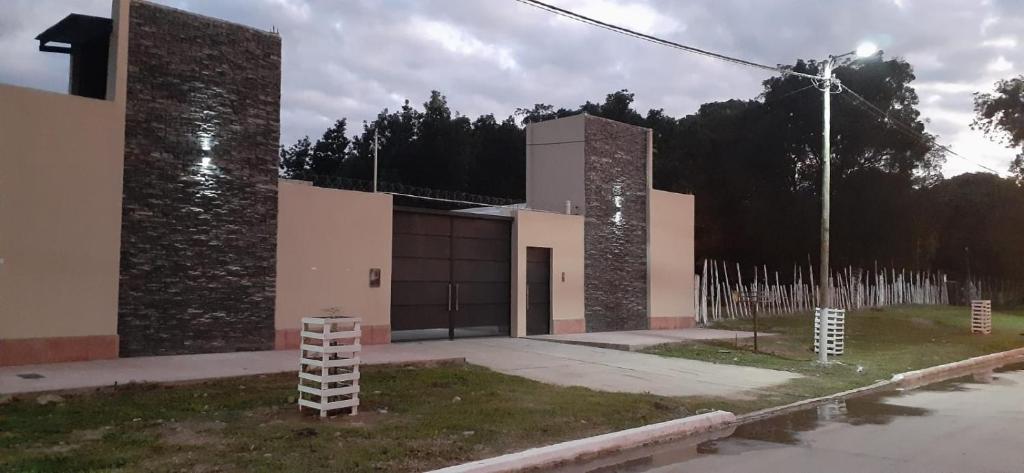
(866, 49)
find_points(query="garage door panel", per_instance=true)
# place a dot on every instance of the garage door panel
(431, 251)
(421, 246)
(481, 271)
(419, 293)
(420, 269)
(421, 224)
(483, 315)
(481, 228)
(419, 317)
(484, 293)
(481, 249)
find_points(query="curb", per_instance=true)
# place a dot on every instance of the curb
(546, 457)
(565, 452)
(935, 373)
(798, 405)
(909, 379)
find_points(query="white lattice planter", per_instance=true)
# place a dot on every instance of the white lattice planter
(981, 317)
(329, 364)
(835, 324)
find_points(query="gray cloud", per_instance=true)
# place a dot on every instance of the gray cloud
(353, 58)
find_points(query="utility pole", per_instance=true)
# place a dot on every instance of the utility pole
(374, 159)
(826, 185)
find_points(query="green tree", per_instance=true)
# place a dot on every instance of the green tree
(497, 164)
(754, 166)
(330, 151)
(397, 132)
(978, 219)
(295, 159)
(1000, 114)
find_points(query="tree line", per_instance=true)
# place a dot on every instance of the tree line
(754, 165)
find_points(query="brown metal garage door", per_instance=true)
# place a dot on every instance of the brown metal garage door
(450, 275)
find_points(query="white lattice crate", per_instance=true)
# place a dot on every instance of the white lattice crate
(835, 325)
(981, 316)
(329, 364)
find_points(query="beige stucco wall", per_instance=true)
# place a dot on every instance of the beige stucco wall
(61, 163)
(327, 241)
(554, 164)
(564, 235)
(670, 260)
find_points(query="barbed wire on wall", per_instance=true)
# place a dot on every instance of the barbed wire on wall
(408, 191)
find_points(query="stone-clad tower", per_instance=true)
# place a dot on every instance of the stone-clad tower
(199, 220)
(600, 169)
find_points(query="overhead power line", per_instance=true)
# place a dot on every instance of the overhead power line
(664, 42)
(614, 137)
(743, 62)
(788, 94)
(911, 131)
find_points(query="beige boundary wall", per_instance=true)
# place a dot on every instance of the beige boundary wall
(563, 234)
(60, 217)
(327, 242)
(670, 260)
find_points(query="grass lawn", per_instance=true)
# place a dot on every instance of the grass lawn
(411, 419)
(879, 343)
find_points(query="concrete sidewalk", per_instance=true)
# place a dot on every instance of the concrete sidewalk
(555, 363)
(169, 369)
(634, 340)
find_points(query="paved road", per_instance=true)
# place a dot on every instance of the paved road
(973, 425)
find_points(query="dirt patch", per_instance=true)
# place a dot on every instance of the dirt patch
(367, 417)
(89, 435)
(189, 433)
(920, 322)
(59, 448)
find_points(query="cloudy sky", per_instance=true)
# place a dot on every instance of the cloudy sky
(352, 58)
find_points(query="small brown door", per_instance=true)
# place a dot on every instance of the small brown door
(538, 291)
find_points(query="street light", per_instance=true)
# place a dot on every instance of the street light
(866, 49)
(863, 50)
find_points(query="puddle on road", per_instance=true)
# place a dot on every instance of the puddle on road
(786, 429)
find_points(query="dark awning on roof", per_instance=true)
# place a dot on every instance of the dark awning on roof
(73, 30)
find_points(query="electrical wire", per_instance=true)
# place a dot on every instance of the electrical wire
(591, 140)
(450, 201)
(817, 80)
(787, 94)
(910, 131)
(653, 39)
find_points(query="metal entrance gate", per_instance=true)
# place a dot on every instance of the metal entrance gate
(450, 275)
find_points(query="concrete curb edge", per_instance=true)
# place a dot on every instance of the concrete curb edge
(957, 367)
(542, 457)
(910, 378)
(798, 405)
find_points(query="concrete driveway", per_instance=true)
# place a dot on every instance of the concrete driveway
(556, 363)
(635, 340)
(605, 369)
